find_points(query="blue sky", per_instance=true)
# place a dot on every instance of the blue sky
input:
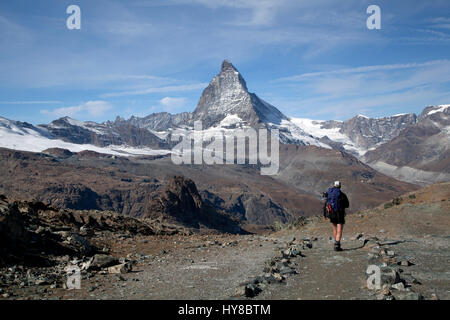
(313, 59)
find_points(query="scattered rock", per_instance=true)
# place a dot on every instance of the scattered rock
(405, 263)
(389, 261)
(398, 286)
(240, 291)
(101, 261)
(409, 279)
(434, 296)
(389, 276)
(407, 295)
(120, 268)
(385, 291)
(287, 270)
(252, 290)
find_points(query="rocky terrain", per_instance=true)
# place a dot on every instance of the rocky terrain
(89, 180)
(408, 147)
(106, 199)
(70, 130)
(420, 153)
(126, 258)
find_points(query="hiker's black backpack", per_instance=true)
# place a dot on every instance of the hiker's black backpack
(333, 205)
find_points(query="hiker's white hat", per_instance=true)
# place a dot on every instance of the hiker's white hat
(337, 184)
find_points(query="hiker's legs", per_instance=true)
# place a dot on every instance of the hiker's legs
(338, 229)
(334, 231)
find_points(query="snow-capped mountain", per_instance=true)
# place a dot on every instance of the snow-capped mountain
(225, 105)
(104, 134)
(421, 152)
(358, 134)
(155, 122)
(79, 136)
(227, 94)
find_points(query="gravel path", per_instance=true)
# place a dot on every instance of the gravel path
(197, 272)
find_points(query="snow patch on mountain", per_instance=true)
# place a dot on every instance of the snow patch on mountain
(25, 137)
(88, 125)
(440, 108)
(292, 133)
(230, 120)
(316, 129)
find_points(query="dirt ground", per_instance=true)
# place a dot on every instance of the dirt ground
(416, 228)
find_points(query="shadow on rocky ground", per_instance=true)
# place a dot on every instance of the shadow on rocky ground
(127, 258)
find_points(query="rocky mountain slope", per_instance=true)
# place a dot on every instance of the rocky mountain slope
(181, 203)
(407, 147)
(227, 94)
(421, 152)
(225, 103)
(156, 122)
(358, 134)
(76, 136)
(103, 135)
(310, 169)
(128, 186)
(406, 238)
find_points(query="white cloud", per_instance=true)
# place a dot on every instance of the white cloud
(172, 104)
(91, 108)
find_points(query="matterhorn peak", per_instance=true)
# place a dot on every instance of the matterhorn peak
(227, 65)
(227, 95)
(231, 76)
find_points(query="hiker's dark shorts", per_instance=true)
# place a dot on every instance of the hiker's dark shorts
(338, 218)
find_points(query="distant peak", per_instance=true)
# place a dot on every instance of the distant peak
(226, 65)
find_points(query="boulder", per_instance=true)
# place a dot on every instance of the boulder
(407, 295)
(398, 286)
(101, 261)
(80, 243)
(252, 290)
(389, 276)
(405, 263)
(120, 268)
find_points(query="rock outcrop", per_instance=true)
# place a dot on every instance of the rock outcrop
(180, 202)
(227, 94)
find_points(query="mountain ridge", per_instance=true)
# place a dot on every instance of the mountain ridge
(226, 104)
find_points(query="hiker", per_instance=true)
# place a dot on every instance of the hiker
(334, 209)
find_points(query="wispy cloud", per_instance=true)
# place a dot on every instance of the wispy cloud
(148, 50)
(178, 88)
(441, 23)
(368, 89)
(13, 33)
(363, 69)
(90, 108)
(31, 102)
